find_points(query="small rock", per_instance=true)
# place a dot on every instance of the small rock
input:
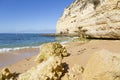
(5, 74)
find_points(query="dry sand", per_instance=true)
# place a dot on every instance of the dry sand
(79, 54)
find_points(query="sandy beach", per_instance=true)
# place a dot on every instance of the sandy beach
(79, 52)
(12, 58)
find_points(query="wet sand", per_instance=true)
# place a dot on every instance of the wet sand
(79, 54)
(13, 57)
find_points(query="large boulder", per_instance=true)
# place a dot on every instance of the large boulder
(49, 63)
(103, 65)
(50, 69)
(92, 18)
(51, 49)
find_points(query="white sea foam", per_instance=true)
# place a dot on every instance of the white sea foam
(63, 42)
(69, 40)
(2, 50)
(5, 50)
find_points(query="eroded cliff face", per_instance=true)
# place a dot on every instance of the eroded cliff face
(94, 18)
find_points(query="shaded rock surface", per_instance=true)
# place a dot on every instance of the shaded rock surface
(5, 74)
(103, 65)
(92, 18)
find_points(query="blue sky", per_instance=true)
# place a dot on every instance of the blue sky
(30, 15)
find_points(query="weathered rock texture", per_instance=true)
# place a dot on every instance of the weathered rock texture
(103, 65)
(5, 74)
(47, 70)
(50, 63)
(74, 73)
(94, 18)
(51, 49)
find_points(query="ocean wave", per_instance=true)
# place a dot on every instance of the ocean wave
(2, 50)
(69, 40)
(63, 42)
(5, 50)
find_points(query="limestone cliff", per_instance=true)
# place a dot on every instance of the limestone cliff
(94, 18)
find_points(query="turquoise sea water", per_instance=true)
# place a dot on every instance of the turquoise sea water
(17, 41)
(21, 40)
(11, 42)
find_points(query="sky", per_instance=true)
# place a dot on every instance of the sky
(19, 16)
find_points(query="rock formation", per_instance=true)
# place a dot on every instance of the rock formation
(74, 73)
(5, 74)
(51, 49)
(91, 18)
(103, 65)
(50, 69)
(50, 63)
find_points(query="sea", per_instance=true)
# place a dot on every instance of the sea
(16, 41)
(13, 46)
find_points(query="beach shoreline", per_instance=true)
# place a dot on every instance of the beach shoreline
(79, 51)
(11, 57)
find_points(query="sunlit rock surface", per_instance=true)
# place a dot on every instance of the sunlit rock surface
(74, 73)
(50, 69)
(103, 65)
(51, 49)
(93, 18)
(49, 63)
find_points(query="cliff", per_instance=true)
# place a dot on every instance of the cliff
(93, 18)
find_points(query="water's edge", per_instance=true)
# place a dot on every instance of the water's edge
(11, 58)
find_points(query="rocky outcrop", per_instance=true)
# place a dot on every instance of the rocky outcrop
(51, 49)
(92, 18)
(103, 65)
(5, 74)
(74, 73)
(49, 63)
(50, 69)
